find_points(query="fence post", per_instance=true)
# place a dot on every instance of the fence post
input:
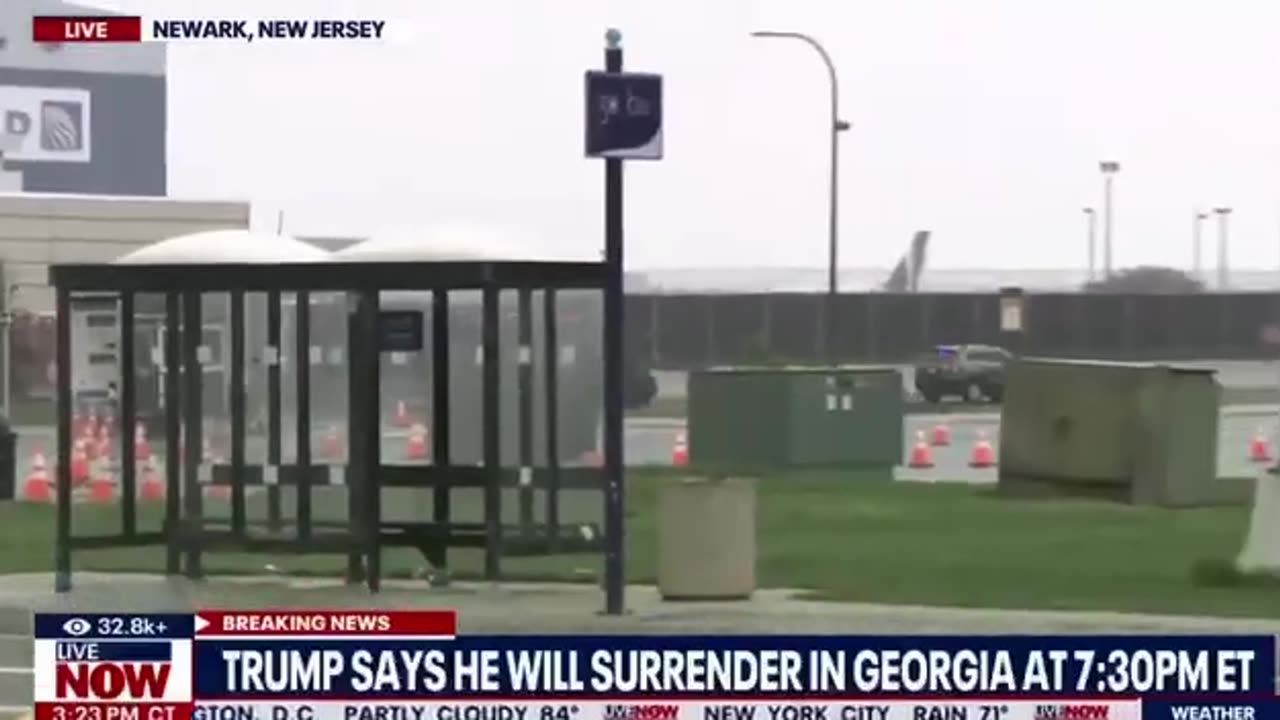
(1013, 319)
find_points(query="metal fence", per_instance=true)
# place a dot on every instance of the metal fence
(675, 332)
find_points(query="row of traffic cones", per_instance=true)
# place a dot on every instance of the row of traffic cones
(981, 455)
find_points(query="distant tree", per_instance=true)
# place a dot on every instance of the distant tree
(1147, 279)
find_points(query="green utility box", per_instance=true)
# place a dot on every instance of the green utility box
(789, 417)
(1140, 433)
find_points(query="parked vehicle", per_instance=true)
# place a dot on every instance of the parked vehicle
(973, 372)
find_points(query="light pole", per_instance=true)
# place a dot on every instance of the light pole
(1109, 168)
(1091, 219)
(1197, 245)
(833, 220)
(1223, 262)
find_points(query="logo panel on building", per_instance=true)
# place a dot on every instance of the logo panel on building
(44, 124)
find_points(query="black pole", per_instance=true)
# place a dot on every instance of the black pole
(614, 560)
(62, 472)
(441, 502)
(172, 431)
(128, 419)
(237, 413)
(551, 408)
(302, 373)
(193, 430)
(491, 433)
(275, 430)
(524, 381)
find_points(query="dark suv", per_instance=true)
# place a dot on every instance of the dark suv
(973, 372)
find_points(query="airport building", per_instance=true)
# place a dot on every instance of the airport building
(79, 118)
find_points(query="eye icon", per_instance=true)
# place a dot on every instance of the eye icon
(77, 627)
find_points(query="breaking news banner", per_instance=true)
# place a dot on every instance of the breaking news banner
(412, 665)
(119, 29)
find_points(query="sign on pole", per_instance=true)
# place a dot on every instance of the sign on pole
(624, 115)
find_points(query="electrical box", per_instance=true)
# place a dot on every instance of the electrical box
(792, 417)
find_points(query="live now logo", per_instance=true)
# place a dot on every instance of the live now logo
(80, 28)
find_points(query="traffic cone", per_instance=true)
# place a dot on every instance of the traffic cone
(38, 487)
(79, 463)
(982, 455)
(1259, 448)
(401, 418)
(680, 453)
(152, 488)
(102, 489)
(941, 436)
(921, 454)
(141, 446)
(331, 446)
(89, 440)
(415, 447)
(104, 448)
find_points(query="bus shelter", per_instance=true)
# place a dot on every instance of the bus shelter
(172, 290)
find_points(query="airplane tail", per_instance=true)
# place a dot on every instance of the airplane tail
(905, 278)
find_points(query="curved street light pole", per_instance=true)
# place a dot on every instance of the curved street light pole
(833, 220)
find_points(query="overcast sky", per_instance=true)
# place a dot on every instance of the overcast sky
(982, 121)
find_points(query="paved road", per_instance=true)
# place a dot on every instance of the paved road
(651, 441)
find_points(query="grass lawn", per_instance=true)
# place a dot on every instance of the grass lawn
(846, 537)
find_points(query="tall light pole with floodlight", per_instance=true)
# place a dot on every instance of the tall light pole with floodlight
(1109, 168)
(837, 126)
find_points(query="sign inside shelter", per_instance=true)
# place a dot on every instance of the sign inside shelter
(399, 331)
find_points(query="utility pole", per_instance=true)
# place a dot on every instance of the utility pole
(1109, 168)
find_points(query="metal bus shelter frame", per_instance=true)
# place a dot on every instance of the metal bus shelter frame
(187, 533)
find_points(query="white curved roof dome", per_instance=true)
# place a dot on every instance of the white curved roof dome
(449, 242)
(224, 246)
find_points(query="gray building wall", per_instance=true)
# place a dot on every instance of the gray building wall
(127, 117)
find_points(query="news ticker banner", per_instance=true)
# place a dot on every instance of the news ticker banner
(131, 29)
(412, 665)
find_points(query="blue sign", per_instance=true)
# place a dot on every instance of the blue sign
(624, 115)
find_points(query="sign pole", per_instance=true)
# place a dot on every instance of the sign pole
(614, 516)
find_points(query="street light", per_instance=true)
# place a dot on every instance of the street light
(1109, 168)
(1223, 270)
(833, 228)
(1197, 245)
(1091, 217)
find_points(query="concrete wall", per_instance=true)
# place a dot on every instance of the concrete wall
(37, 230)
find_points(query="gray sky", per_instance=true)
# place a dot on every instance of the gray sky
(981, 120)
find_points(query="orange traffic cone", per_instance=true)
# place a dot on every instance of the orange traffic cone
(331, 446)
(141, 446)
(941, 436)
(401, 418)
(152, 488)
(1259, 448)
(38, 487)
(680, 452)
(415, 448)
(982, 456)
(102, 490)
(104, 446)
(79, 463)
(921, 455)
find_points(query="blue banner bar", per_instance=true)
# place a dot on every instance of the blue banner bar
(113, 626)
(693, 667)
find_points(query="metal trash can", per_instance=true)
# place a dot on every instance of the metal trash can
(8, 461)
(707, 539)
